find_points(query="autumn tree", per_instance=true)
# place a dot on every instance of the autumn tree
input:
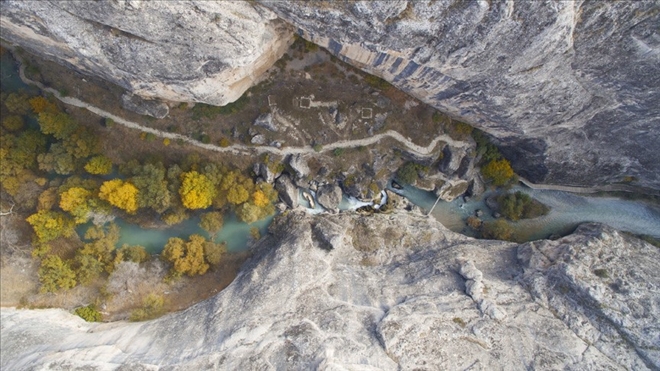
(135, 253)
(57, 160)
(197, 191)
(186, 257)
(213, 252)
(121, 194)
(59, 124)
(55, 274)
(17, 103)
(498, 172)
(259, 205)
(76, 201)
(49, 225)
(99, 165)
(211, 222)
(41, 104)
(13, 123)
(97, 256)
(498, 229)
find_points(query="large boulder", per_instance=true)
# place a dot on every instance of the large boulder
(329, 196)
(287, 190)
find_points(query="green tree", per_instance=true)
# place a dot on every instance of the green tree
(211, 222)
(13, 123)
(498, 229)
(186, 257)
(213, 252)
(60, 125)
(55, 274)
(17, 103)
(57, 160)
(152, 187)
(197, 191)
(408, 173)
(89, 313)
(99, 165)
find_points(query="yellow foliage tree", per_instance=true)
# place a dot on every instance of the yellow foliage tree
(186, 257)
(196, 191)
(123, 195)
(49, 225)
(41, 104)
(75, 201)
(498, 172)
(259, 198)
(99, 165)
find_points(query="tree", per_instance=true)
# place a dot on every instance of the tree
(123, 195)
(75, 200)
(40, 104)
(99, 165)
(89, 313)
(152, 186)
(175, 216)
(498, 229)
(49, 225)
(98, 255)
(498, 172)
(57, 160)
(13, 123)
(17, 103)
(186, 257)
(56, 274)
(197, 191)
(136, 254)
(213, 252)
(211, 222)
(59, 124)
(408, 173)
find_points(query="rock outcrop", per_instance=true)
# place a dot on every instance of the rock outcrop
(385, 292)
(569, 89)
(193, 51)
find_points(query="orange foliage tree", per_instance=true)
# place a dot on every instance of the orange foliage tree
(498, 172)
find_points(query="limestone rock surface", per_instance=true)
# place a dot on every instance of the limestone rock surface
(190, 51)
(569, 88)
(387, 292)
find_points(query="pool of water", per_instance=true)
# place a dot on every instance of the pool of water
(234, 232)
(568, 210)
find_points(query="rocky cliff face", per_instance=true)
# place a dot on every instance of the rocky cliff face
(387, 292)
(191, 51)
(570, 89)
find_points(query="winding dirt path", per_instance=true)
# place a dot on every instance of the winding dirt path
(423, 151)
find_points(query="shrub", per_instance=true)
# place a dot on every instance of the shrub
(166, 142)
(515, 206)
(224, 142)
(152, 307)
(408, 173)
(338, 152)
(89, 313)
(602, 273)
(318, 147)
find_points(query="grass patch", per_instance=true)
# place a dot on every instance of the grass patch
(208, 111)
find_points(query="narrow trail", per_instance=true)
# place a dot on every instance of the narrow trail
(241, 149)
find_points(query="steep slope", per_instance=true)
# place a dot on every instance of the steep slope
(385, 292)
(569, 88)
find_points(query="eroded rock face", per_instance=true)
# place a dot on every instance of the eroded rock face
(569, 88)
(386, 292)
(193, 51)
